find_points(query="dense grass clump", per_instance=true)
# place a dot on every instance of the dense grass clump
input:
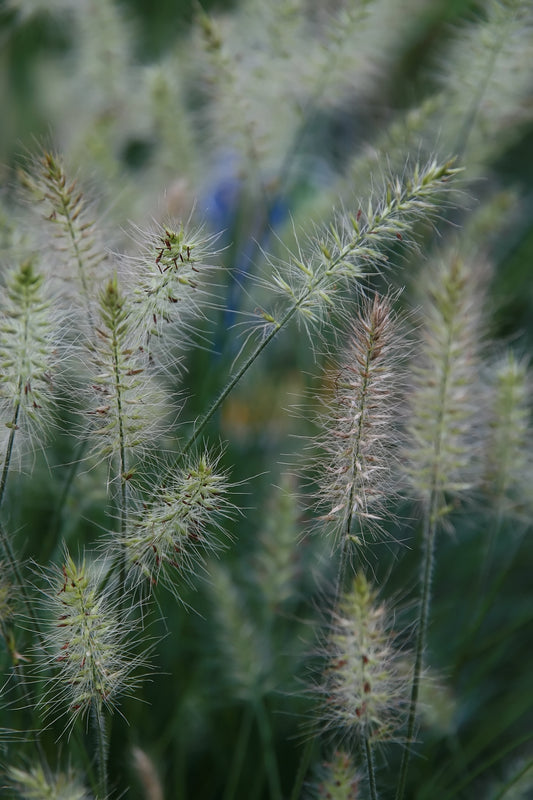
(265, 400)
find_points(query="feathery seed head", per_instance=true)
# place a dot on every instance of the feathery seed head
(441, 455)
(365, 687)
(27, 352)
(485, 80)
(171, 276)
(89, 643)
(356, 245)
(169, 539)
(509, 468)
(76, 253)
(359, 439)
(277, 561)
(127, 405)
(245, 651)
(34, 784)
(338, 779)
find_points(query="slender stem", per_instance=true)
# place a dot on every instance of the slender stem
(341, 572)
(122, 529)
(429, 557)
(265, 731)
(238, 755)
(101, 741)
(88, 764)
(371, 770)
